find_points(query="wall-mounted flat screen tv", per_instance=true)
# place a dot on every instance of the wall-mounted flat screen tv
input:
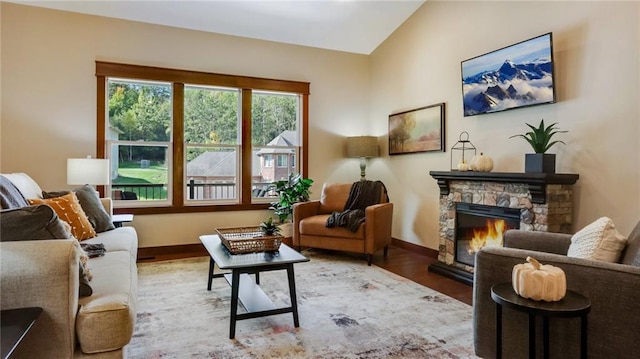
(512, 77)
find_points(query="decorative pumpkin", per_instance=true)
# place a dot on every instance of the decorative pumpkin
(539, 282)
(481, 163)
(463, 166)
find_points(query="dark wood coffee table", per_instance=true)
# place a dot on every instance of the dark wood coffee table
(251, 296)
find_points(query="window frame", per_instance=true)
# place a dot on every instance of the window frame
(179, 78)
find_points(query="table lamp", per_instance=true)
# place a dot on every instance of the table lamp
(92, 171)
(362, 147)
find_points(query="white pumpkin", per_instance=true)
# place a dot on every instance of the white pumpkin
(539, 282)
(481, 163)
(463, 166)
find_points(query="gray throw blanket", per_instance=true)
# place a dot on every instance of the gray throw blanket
(93, 249)
(362, 195)
(10, 196)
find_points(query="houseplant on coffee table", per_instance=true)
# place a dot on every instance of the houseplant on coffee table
(540, 140)
(290, 191)
(269, 227)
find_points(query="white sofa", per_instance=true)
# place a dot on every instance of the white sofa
(44, 273)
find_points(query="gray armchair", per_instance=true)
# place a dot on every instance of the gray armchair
(613, 288)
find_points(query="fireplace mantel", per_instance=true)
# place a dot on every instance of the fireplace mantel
(536, 182)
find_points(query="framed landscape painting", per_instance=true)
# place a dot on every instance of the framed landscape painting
(515, 76)
(418, 130)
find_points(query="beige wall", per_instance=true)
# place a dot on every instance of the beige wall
(596, 49)
(48, 99)
(49, 102)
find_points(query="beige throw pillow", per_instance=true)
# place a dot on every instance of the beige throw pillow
(598, 241)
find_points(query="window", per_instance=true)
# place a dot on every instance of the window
(184, 141)
(268, 160)
(275, 133)
(211, 124)
(282, 161)
(138, 137)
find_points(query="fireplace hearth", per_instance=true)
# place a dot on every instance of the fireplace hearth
(528, 201)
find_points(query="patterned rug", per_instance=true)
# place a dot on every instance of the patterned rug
(346, 310)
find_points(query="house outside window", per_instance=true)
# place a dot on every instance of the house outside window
(184, 141)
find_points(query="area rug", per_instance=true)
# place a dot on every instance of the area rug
(346, 310)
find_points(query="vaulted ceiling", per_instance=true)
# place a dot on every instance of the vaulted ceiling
(357, 26)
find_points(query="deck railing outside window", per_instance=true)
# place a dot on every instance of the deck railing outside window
(201, 191)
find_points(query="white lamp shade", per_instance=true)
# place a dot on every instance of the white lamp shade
(93, 171)
(362, 146)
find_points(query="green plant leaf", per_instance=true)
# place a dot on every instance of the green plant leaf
(551, 144)
(269, 227)
(290, 191)
(540, 137)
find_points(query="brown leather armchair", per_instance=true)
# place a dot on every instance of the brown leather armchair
(310, 218)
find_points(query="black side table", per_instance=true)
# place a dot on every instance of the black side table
(15, 325)
(571, 306)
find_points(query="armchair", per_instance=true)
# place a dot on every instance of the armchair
(310, 218)
(612, 289)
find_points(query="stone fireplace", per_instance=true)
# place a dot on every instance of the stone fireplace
(528, 201)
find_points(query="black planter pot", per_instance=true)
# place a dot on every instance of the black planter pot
(540, 163)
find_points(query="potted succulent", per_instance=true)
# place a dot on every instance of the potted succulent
(540, 140)
(269, 227)
(290, 191)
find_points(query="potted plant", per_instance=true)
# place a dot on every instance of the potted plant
(540, 140)
(269, 227)
(290, 191)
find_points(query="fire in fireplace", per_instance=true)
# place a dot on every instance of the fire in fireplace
(478, 226)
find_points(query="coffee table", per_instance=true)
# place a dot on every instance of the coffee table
(251, 296)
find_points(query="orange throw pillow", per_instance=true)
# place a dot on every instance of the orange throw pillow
(68, 209)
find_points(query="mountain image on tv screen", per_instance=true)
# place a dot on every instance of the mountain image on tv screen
(515, 76)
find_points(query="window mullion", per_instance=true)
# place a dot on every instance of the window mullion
(304, 155)
(246, 148)
(101, 108)
(178, 145)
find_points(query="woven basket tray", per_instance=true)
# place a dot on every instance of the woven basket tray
(247, 240)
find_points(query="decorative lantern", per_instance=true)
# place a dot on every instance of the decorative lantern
(462, 152)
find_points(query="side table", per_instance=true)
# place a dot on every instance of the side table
(571, 306)
(119, 219)
(15, 325)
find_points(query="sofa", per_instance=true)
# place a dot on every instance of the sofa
(46, 273)
(310, 223)
(612, 288)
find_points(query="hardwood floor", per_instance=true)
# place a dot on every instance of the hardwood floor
(412, 265)
(405, 262)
